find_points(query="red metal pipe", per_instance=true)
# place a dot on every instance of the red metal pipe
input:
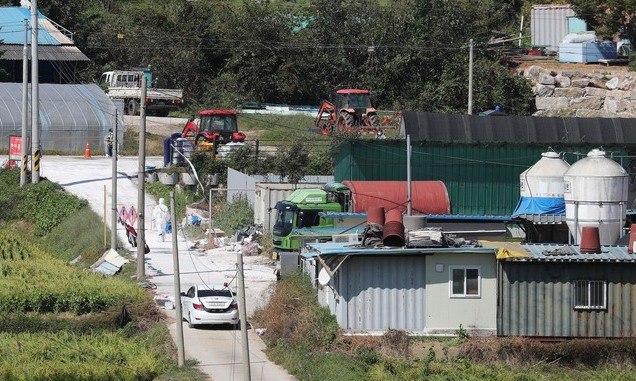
(375, 215)
(590, 241)
(393, 233)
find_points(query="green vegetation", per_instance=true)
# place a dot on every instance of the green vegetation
(412, 55)
(59, 321)
(35, 281)
(233, 216)
(305, 339)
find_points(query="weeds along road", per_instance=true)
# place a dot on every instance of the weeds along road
(217, 349)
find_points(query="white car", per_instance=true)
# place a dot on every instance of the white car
(209, 304)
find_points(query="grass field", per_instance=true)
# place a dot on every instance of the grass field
(64, 322)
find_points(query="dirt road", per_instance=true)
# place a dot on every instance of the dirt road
(218, 350)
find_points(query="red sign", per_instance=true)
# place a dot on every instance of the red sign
(15, 148)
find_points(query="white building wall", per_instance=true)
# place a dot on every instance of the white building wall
(445, 313)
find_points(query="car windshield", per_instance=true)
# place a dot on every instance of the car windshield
(224, 293)
(214, 123)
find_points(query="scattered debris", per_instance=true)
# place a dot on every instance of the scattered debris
(110, 263)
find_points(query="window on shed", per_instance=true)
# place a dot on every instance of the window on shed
(465, 281)
(590, 294)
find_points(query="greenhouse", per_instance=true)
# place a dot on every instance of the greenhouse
(70, 116)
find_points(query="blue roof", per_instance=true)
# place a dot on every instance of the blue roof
(316, 231)
(12, 27)
(572, 253)
(430, 217)
(339, 248)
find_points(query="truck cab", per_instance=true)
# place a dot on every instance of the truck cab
(298, 214)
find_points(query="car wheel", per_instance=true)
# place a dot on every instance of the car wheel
(190, 325)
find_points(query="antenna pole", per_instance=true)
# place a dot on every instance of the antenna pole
(409, 210)
(35, 95)
(25, 104)
(243, 318)
(471, 44)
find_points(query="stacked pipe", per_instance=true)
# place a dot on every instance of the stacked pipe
(373, 230)
(590, 242)
(393, 233)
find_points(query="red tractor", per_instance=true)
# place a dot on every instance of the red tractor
(352, 110)
(216, 127)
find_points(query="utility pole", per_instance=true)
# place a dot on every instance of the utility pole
(25, 104)
(408, 176)
(470, 77)
(141, 185)
(113, 219)
(35, 95)
(521, 30)
(243, 318)
(177, 283)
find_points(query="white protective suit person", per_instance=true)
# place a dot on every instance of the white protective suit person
(160, 218)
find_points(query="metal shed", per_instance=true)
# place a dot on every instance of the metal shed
(549, 23)
(374, 289)
(558, 292)
(70, 116)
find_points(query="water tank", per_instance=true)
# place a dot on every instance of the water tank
(427, 197)
(595, 195)
(545, 177)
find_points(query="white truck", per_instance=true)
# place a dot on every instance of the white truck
(126, 85)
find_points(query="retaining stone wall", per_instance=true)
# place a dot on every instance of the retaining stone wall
(598, 93)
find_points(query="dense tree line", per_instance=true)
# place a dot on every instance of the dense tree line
(411, 53)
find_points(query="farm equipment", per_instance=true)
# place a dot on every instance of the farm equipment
(352, 111)
(215, 128)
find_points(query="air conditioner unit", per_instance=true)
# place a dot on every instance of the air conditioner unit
(345, 238)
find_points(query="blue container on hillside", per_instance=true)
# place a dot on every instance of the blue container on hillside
(586, 51)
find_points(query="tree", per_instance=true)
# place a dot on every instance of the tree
(609, 17)
(292, 162)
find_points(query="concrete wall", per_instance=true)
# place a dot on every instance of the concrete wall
(444, 313)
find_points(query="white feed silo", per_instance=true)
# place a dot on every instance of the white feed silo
(595, 195)
(545, 178)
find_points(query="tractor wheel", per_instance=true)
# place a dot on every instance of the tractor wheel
(374, 121)
(345, 123)
(132, 108)
(325, 128)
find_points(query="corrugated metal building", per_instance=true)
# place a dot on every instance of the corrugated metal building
(480, 158)
(558, 292)
(424, 290)
(70, 116)
(549, 23)
(57, 52)
(481, 178)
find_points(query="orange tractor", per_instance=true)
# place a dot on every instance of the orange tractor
(216, 127)
(352, 111)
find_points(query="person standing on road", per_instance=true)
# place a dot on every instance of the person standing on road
(160, 217)
(108, 143)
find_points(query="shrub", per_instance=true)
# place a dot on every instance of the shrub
(47, 205)
(9, 194)
(234, 216)
(294, 318)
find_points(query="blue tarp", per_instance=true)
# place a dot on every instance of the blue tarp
(540, 205)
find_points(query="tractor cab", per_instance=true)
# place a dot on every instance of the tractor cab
(215, 126)
(352, 99)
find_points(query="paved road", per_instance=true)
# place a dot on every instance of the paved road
(218, 350)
